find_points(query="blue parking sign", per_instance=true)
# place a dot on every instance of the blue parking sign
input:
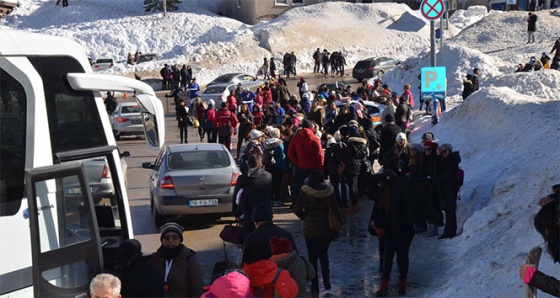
(434, 83)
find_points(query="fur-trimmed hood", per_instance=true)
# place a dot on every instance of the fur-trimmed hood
(318, 193)
(357, 140)
(272, 143)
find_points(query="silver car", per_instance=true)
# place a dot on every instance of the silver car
(235, 78)
(127, 120)
(192, 179)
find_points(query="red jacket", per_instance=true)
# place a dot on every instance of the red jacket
(305, 150)
(232, 102)
(262, 273)
(267, 98)
(224, 116)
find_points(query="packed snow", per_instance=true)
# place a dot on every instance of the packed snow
(508, 133)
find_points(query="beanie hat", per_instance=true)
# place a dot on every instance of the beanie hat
(274, 132)
(262, 212)
(172, 227)
(255, 133)
(446, 146)
(234, 284)
(389, 118)
(431, 145)
(256, 250)
(280, 245)
(416, 146)
(343, 130)
(352, 130)
(401, 136)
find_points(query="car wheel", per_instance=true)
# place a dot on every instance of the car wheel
(159, 219)
(117, 136)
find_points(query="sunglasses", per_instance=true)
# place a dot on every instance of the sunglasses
(444, 151)
(171, 237)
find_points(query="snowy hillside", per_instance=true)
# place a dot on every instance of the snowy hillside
(508, 133)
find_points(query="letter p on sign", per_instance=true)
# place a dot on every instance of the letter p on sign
(433, 79)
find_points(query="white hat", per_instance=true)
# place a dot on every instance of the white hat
(401, 136)
(274, 132)
(211, 102)
(255, 133)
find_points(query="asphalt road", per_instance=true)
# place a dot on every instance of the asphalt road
(202, 233)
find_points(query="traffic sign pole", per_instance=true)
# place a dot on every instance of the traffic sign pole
(432, 44)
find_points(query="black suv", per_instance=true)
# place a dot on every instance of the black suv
(372, 67)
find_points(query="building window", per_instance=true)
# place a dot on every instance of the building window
(281, 2)
(297, 2)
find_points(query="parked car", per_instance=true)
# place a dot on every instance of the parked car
(217, 92)
(331, 86)
(235, 78)
(103, 63)
(127, 120)
(146, 58)
(371, 67)
(374, 109)
(192, 179)
(99, 180)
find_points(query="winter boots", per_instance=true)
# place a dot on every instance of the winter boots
(402, 287)
(327, 280)
(384, 288)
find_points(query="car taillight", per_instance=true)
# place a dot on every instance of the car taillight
(234, 177)
(105, 173)
(166, 183)
(120, 119)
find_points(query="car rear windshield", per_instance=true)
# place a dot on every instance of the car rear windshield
(197, 160)
(104, 61)
(130, 109)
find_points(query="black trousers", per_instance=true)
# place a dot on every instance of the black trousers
(352, 182)
(397, 243)
(450, 228)
(183, 133)
(317, 248)
(226, 141)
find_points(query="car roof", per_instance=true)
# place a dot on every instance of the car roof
(128, 103)
(194, 147)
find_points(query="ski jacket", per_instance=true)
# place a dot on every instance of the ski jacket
(312, 206)
(262, 273)
(305, 150)
(223, 117)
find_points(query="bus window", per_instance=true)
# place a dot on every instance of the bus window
(74, 120)
(12, 143)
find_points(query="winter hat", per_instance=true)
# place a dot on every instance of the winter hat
(255, 133)
(416, 146)
(280, 245)
(274, 132)
(306, 124)
(389, 118)
(353, 123)
(262, 212)
(336, 136)
(172, 227)
(446, 146)
(234, 285)
(401, 136)
(256, 250)
(343, 130)
(431, 145)
(211, 102)
(352, 130)
(352, 109)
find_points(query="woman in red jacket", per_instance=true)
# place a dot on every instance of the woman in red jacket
(226, 122)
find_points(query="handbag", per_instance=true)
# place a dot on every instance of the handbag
(196, 123)
(232, 233)
(334, 221)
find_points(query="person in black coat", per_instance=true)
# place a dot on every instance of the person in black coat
(531, 27)
(468, 87)
(403, 113)
(139, 279)
(265, 228)
(546, 223)
(182, 119)
(395, 216)
(353, 156)
(447, 166)
(387, 137)
(252, 188)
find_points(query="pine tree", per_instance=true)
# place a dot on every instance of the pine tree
(161, 5)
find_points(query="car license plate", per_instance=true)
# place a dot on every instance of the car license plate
(136, 121)
(203, 203)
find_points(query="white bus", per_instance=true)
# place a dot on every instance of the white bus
(63, 203)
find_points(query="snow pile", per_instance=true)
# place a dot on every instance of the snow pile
(464, 18)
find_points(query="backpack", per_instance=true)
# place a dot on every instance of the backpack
(225, 130)
(269, 290)
(460, 177)
(268, 157)
(209, 118)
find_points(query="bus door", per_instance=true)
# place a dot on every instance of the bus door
(66, 247)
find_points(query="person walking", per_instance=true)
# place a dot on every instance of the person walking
(226, 122)
(531, 27)
(245, 118)
(183, 121)
(272, 68)
(208, 122)
(313, 205)
(317, 60)
(252, 188)
(198, 111)
(177, 264)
